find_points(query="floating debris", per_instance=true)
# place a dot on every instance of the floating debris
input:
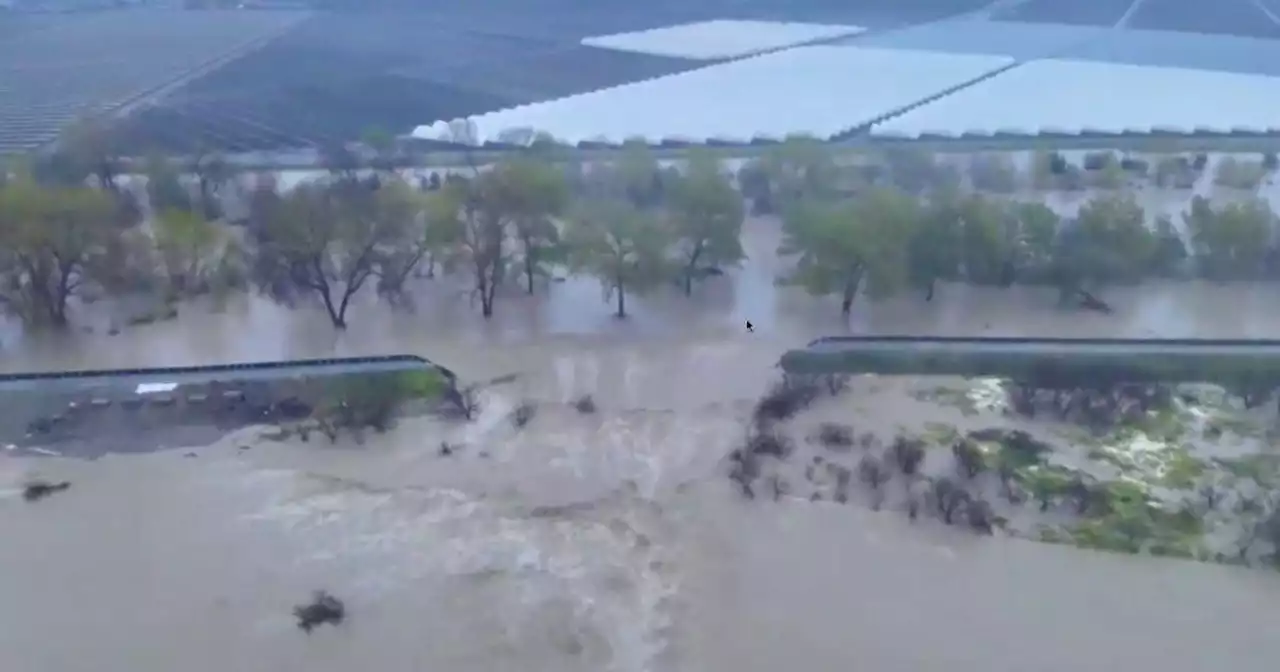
(586, 404)
(37, 490)
(523, 414)
(323, 608)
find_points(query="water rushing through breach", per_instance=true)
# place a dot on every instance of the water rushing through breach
(582, 542)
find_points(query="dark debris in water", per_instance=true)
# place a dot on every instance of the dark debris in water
(523, 415)
(586, 404)
(37, 490)
(323, 608)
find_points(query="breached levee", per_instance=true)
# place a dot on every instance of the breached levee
(1156, 447)
(90, 413)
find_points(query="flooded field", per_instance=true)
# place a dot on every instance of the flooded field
(602, 541)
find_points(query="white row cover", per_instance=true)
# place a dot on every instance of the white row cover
(711, 40)
(819, 91)
(1074, 96)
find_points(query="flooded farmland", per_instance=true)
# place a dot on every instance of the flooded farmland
(602, 541)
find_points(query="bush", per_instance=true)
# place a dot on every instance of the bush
(1234, 173)
(948, 498)
(372, 401)
(835, 436)
(785, 399)
(968, 457)
(908, 454)
(761, 443)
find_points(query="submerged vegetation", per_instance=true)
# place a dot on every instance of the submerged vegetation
(75, 228)
(1104, 458)
(1171, 470)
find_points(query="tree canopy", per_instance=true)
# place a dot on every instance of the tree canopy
(75, 223)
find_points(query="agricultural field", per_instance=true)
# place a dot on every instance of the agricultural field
(57, 68)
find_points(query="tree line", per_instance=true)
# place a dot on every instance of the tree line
(72, 230)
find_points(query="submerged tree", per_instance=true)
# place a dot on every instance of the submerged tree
(707, 212)
(52, 241)
(211, 172)
(1109, 243)
(472, 225)
(196, 255)
(851, 247)
(621, 246)
(323, 242)
(1230, 242)
(531, 194)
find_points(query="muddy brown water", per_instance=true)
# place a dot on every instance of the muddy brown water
(603, 542)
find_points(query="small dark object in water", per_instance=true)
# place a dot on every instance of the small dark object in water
(948, 498)
(835, 436)
(1091, 302)
(872, 471)
(908, 454)
(980, 516)
(323, 608)
(291, 408)
(586, 404)
(41, 426)
(768, 443)
(445, 449)
(523, 415)
(37, 490)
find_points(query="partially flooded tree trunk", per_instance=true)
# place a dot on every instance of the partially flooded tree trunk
(337, 316)
(851, 285)
(529, 264)
(690, 269)
(622, 300)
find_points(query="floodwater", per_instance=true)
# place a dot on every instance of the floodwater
(593, 543)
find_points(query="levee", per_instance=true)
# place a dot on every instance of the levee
(1046, 362)
(89, 413)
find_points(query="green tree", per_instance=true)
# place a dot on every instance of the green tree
(382, 145)
(467, 217)
(1170, 256)
(531, 194)
(1108, 243)
(1036, 227)
(707, 213)
(850, 247)
(323, 242)
(86, 149)
(212, 173)
(196, 255)
(934, 251)
(988, 238)
(625, 248)
(52, 242)
(424, 237)
(638, 176)
(165, 189)
(1230, 242)
(799, 169)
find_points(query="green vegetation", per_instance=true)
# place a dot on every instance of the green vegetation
(373, 401)
(71, 227)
